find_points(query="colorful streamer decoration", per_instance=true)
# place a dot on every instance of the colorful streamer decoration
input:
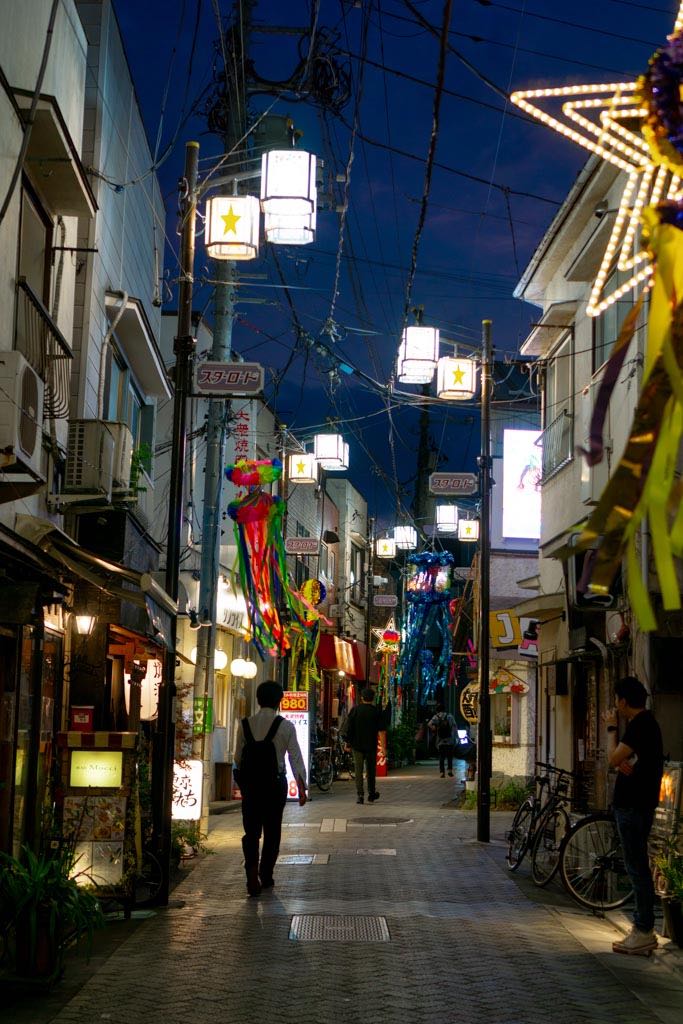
(304, 633)
(428, 594)
(261, 556)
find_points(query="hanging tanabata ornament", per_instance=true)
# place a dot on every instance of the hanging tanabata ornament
(428, 595)
(637, 127)
(304, 633)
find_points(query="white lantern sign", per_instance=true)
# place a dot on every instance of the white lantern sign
(331, 452)
(232, 227)
(468, 530)
(405, 538)
(187, 790)
(385, 547)
(447, 518)
(417, 355)
(288, 182)
(302, 469)
(456, 379)
(281, 229)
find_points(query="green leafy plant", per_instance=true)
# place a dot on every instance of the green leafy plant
(140, 459)
(401, 740)
(42, 908)
(502, 727)
(670, 868)
(187, 840)
(510, 795)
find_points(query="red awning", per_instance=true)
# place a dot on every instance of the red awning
(359, 658)
(337, 655)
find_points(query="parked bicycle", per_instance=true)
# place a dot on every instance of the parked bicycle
(342, 757)
(544, 807)
(592, 865)
(322, 768)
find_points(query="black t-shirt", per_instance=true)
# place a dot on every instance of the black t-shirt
(641, 788)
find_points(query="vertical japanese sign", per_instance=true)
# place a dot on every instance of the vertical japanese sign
(187, 790)
(242, 434)
(294, 707)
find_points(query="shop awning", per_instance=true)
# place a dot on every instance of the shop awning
(335, 654)
(359, 658)
(112, 577)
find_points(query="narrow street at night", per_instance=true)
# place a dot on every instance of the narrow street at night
(417, 923)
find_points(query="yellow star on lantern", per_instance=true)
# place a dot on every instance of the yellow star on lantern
(608, 120)
(300, 467)
(230, 220)
(458, 376)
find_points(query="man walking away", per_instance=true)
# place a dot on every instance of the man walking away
(260, 748)
(365, 721)
(639, 761)
(443, 725)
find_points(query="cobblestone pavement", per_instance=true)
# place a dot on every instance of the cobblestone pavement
(465, 941)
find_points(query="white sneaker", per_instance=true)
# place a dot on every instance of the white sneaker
(636, 942)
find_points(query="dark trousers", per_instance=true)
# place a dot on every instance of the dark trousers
(445, 754)
(262, 813)
(363, 758)
(634, 827)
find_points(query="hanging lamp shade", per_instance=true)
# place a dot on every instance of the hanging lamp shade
(237, 667)
(405, 538)
(456, 378)
(288, 182)
(417, 355)
(331, 452)
(447, 518)
(385, 547)
(232, 227)
(282, 229)
(301, 468)
(468, 530)
(220, 659)
(250, 669)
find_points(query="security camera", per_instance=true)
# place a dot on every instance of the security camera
(601, 209)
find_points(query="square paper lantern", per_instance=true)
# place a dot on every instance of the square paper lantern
(232, 227)
(456, 379)
(302, 468)
(288, 182)
(417, 355)
(468, 530)
(447, 518)
(281, 229)
(385, 547)
(405, 537)
(331, 451)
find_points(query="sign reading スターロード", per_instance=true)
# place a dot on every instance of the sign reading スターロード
(294, 707)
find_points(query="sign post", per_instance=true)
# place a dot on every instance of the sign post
(228, 380)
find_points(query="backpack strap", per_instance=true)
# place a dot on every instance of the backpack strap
(246, 729)
(270, 735)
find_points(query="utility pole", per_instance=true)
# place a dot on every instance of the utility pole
(183, 346)
(217, 430)
(370, 590)
(484, 731)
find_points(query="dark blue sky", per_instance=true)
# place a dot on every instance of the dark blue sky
(496, 184)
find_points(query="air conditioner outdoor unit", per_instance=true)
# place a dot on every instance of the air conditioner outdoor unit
(21, 416)
(89, 460)
(123, 454)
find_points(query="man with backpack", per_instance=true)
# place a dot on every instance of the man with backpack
(443, 725)
(260, 748)
(366, 720)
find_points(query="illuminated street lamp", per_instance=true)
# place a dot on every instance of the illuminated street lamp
(417, 355)
(447, 518)
(232, 227)
(468, 530)
(301, 468)
(331, 452)
(385, 547)
(288, 183)
(456, 379)
(405, 538)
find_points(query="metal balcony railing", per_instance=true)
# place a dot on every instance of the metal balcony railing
(557, 444)
(44, 346)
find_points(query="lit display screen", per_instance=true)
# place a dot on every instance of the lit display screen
(521, 484)
(294, 707)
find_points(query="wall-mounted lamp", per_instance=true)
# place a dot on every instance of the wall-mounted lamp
(194, 619)
(85, 624)
(532, 632)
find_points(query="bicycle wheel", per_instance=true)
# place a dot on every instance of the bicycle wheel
(324, 773)
(518, 836)
(592, 865)
(545, 849)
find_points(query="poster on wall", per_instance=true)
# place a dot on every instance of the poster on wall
(294, 707)
(521, 484)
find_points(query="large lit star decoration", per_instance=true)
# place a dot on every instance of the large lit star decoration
(631, 125)
(388, 638)
(230, 221)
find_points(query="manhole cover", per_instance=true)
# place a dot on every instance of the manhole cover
(296, 858)
(332, 928)
(379, 821)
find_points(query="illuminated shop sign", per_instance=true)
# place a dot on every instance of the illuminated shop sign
(521, 484)
(101, 769)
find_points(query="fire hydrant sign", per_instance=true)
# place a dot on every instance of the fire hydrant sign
(224, 380)
(294, 707)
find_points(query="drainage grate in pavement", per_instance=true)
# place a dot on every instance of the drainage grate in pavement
(296, 858)
(333, 928)
(384, 852)
(379, 821)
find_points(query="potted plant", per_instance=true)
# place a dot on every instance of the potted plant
(670, 871)
(501, 731)
(43, 908)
